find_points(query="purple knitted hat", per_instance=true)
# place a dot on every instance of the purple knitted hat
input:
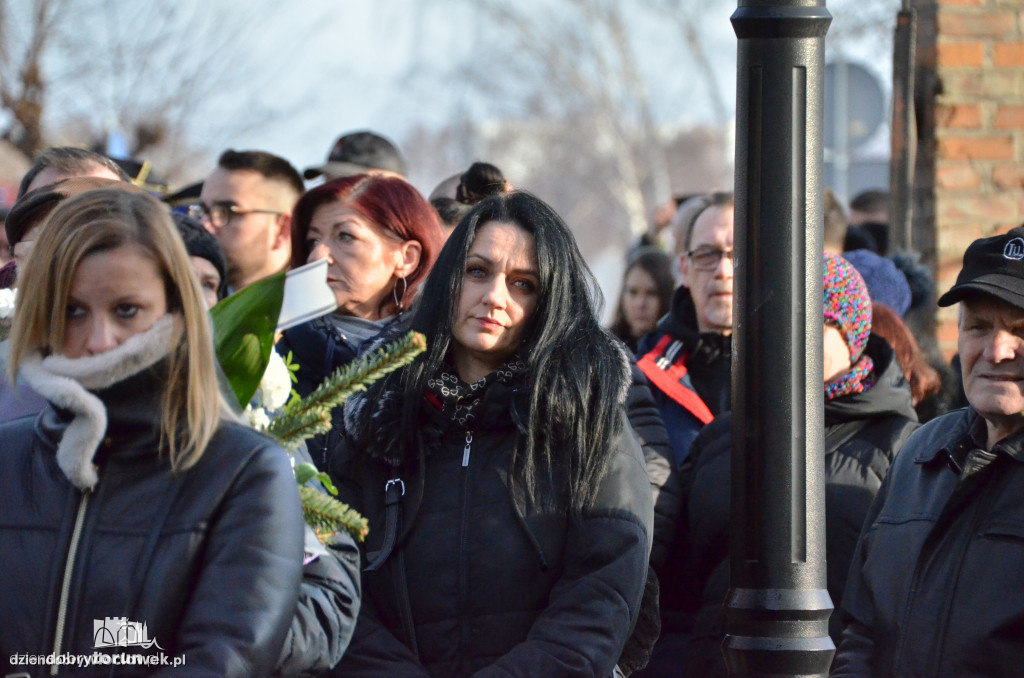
(847, 303)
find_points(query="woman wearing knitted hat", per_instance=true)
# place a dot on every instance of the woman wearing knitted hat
(868, 416)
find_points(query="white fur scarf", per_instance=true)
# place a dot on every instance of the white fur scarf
(66, 383)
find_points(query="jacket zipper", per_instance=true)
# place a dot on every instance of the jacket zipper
(463, 528)
(69, 567)
(465, 452)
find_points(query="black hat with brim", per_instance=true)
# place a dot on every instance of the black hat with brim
(357, 153)
(994, 267)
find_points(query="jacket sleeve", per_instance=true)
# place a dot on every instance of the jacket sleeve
(646, 422)
(856, 652)
(245, 593)
(594, 606)
(328, 604)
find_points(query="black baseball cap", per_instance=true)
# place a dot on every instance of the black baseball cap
(992, 266)
(356, 153)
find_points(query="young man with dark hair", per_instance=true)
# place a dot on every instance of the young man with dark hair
(246, 202)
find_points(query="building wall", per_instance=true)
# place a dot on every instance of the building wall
(971, 132)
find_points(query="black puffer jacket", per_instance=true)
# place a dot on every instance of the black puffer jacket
(935, 584)
(209, 559)
(493, 586)
(863, 433)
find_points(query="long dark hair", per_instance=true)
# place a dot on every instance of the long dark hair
(576, 375)
(656, 264)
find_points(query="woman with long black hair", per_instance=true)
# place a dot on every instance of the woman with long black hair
(510, 511)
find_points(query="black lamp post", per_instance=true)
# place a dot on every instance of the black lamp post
(778, 607)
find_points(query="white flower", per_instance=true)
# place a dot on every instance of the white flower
(7, 299)
(257, 417)
(276, 385)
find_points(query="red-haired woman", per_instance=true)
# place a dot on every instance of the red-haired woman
(380, 238)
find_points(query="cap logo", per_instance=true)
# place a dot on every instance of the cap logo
(1014, 249)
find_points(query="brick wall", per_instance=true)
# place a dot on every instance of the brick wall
(970, 72)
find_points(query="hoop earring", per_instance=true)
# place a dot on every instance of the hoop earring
(399, 297)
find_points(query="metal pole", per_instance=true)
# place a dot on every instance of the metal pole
(778, 608)
(904, 129)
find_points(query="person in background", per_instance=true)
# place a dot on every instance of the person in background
(646, 296)
(246, 202)
(936, 586)
(687, 361)
(688, 357)
(834, 234)
(163, 510)
(509, 509)
(480, 181)
(380, 239)
(868, 416)
(869, 222)
(361, 152)
(65, 162)
(206, 257)
(886, 283)
(924, 380)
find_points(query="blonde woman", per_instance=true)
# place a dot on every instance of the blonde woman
(134, 498)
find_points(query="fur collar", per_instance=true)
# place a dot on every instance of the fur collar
(67, 382)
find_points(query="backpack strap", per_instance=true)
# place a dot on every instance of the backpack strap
(394, 490)
(665, 366)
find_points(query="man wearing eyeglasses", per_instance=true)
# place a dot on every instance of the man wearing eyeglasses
(688, 362)
(687, 359)
(246, 202)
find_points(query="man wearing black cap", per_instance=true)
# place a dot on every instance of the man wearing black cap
(936, 587)
(358, 153)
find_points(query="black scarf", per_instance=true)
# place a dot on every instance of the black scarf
(460, 402)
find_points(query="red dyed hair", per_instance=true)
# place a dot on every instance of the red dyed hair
(921, 376)
(386, 201)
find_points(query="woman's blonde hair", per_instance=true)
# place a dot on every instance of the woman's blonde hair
(103, 220)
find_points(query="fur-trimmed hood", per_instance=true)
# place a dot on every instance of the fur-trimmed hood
(69, 384)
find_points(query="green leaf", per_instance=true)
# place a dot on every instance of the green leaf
(243, 333)
(305, 472)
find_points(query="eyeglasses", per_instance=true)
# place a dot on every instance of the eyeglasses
(707, 258)
(220, 213)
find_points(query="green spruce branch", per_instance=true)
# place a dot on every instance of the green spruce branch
(311, 415)
(327, 515)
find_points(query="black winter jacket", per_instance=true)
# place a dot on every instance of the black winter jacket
(936, 587)
(209, 559)
(493, 586)
(863, 433)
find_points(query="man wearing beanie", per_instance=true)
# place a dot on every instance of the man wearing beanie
(868, 416)
(936, 587)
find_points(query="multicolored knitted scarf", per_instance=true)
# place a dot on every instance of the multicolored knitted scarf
(460, 401)
(858, 379)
